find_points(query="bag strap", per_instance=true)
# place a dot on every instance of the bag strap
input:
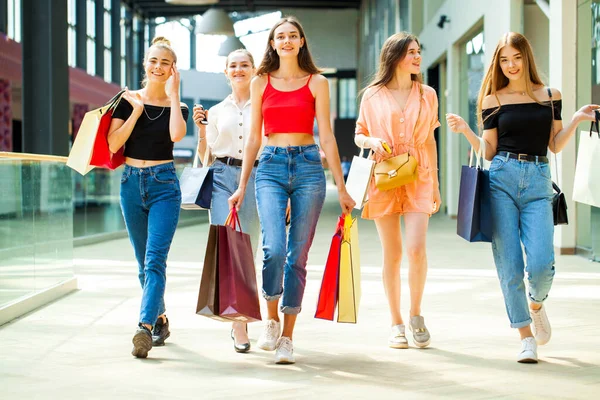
(597, 122)
(233, 220)
(479, 155)
(553, 137)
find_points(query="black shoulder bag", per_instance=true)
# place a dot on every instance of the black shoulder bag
(559, 203)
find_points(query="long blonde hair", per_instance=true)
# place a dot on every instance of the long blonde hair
(393, 51)
(495, 79)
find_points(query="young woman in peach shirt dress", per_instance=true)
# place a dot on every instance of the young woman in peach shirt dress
(397, 109)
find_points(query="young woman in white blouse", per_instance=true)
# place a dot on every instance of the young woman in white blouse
(224, 138)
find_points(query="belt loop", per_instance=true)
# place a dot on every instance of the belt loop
(507, 156)
(537, 160)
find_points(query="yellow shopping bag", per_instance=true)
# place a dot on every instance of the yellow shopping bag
(349, 273)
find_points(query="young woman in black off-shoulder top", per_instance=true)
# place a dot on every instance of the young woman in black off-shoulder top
(515, 110)
(147, 122)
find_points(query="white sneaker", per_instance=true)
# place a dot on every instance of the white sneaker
(528, 354)
(284, 353)
(397, 339)
(541, 326)
(268, 339)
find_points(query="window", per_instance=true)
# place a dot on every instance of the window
(124, 32)
(14, 20)
(71, 32)
(347, 98)
(91, 36)
(107, 42)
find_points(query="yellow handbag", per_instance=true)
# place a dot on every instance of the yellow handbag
(399, 170)
(395, 172)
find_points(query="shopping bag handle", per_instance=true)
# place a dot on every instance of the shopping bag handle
(233, 220)
(479, 155)
(597, 123)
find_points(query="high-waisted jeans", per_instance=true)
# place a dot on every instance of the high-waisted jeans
(150, 201)
(521, 197)
(226, 179)
(283, 173)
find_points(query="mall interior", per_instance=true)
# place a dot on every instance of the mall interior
(62, 58)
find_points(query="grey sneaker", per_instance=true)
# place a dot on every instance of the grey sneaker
(284, 353)
(420, 333)
(397, 339)
(142, 342)
(268, 339)
(528, 354)
(541, 326)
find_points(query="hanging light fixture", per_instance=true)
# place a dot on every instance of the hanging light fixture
(215, 21)
(230, 44)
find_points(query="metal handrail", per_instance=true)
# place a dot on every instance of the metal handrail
(32, 157)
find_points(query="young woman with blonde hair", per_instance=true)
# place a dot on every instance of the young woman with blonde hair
(224, 138)
(399, 111)
(287, 95)
(515, 110)
(147, 122)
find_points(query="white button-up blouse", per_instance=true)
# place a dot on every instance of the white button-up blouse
(228, 129)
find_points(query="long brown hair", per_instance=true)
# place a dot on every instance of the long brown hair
(160, 42)
(495, 79)
(393, 52)
(270, 61)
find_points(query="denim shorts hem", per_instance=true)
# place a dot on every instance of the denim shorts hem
(290, 310)
(523, 324)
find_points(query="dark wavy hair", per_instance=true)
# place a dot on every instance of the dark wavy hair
(270, 61)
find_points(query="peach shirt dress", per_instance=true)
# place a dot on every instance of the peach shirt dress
(381, 116)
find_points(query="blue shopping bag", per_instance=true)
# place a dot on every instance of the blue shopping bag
(474, 209)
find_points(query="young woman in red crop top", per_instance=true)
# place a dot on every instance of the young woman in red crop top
(515, 110)
(147, 122)
(287, 95)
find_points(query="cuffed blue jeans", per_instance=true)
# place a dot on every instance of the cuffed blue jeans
(283, 173)
(150, 201)
(226, 179)
(521, 199)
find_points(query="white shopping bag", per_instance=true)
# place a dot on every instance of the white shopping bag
(586, 187)
(359, 177)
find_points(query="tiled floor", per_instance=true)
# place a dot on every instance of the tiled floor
(78, 347)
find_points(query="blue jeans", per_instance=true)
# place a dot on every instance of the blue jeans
(150, 201)
(283, 173)
(521, 199)
(226, 181)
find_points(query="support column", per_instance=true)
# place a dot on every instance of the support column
(193, 44)
(453, 162)
(563, 76)
(3, 16)
(6, 133)
(80, 34)
(45, 90)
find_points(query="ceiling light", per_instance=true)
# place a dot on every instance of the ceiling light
(193, 2)
(230, 44)
(215, 22)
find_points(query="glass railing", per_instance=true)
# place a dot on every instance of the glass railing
(36, 224)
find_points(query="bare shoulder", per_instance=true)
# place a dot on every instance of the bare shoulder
(318, 82)
(259, 83)
(556, 95)
(489, 101)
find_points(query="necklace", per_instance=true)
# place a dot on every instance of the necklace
(154, 119)
(514, 91)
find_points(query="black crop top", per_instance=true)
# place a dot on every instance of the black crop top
(522, 128)
(149, 139)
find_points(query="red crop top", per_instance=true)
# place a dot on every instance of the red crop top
(288, 112)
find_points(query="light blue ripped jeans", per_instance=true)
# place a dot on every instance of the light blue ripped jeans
(521, 199)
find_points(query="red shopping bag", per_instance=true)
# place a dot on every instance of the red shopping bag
(329, 286)
(237, 292)
(101, 155)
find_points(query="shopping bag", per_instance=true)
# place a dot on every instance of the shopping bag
(237, 293)
(586, 185)
(474, 219)
(329, 285)
(349, 290)
(208, 297)
(359, 177)
(196, 187)
(91, 137)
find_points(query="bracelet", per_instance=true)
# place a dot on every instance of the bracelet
(200, 138)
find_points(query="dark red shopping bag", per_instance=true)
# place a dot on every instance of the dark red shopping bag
(329, 286)
(101, 155)
(237, 292)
